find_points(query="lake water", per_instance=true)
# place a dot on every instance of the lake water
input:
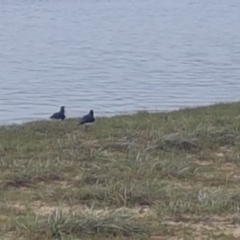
(116, 56)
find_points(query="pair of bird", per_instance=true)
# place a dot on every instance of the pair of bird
(85, 120)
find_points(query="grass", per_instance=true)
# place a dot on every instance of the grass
(144, 176)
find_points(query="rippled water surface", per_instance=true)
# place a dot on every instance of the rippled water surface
(116, 55)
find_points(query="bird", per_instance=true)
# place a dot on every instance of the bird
(87, 119)
(60, 114)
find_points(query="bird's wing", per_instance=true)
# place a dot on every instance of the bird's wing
(84, 119)
(55, 115)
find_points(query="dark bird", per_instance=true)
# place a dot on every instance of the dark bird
(87, 119)
(60, 114)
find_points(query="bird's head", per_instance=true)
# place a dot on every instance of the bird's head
(62, 109)
(91, 112)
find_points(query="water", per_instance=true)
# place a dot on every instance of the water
(116, 56)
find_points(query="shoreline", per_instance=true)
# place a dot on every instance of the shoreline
(113, 115)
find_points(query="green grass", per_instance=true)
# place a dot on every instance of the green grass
(144, 176)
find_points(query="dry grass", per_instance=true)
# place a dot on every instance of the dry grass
(144, 176)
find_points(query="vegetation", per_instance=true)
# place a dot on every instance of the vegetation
(145, 176)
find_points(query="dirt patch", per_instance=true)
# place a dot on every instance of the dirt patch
(203, 163)
(41, 208)
(225, 149)
(44, 209)
(62, 184)
(91, 143)
(78, 177)
(228, 166)
(17, 208)
(217, 225)
(165, 238)
(220, 154)
(11, 236)
(183, 185)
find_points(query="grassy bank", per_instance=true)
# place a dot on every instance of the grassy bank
(146, 176)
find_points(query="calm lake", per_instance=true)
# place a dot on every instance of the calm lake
(116, 56)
